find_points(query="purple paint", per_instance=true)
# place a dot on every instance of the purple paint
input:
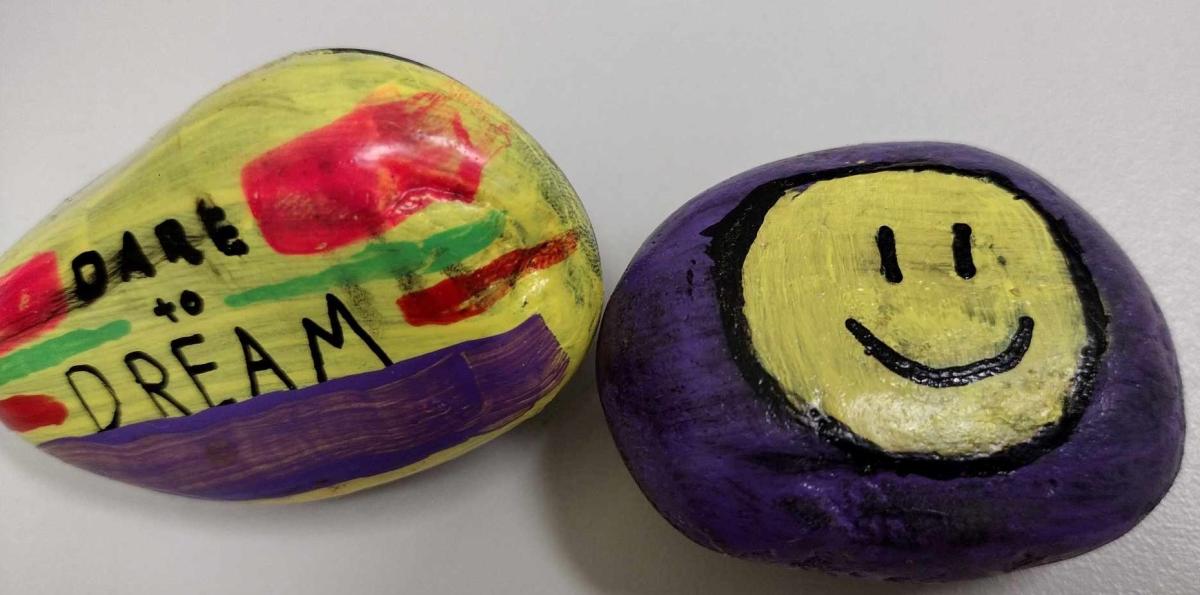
(291, 442)
(734, 475)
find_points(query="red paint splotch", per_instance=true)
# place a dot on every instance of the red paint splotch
(464, 296)
(366, 172)
(31, 301)
(23, 413)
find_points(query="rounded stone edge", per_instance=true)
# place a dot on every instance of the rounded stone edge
(645, 425)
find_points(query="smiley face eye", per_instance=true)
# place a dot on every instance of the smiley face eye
(888, 266)
(964, 264)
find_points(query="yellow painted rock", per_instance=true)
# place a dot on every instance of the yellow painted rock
(335, 271)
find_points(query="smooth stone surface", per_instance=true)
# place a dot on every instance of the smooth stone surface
(984, 386)
(337, 270)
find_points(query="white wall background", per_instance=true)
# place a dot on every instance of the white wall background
(643, 105)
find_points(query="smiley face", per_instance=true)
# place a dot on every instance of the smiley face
(920, 314)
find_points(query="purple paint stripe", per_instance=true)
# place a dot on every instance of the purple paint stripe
(291, 442)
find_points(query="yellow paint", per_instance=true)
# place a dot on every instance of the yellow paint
(203, 153)
(815, 263)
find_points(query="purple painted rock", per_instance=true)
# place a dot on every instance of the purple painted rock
(904, 361)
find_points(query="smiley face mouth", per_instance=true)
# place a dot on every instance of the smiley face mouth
(960, 375)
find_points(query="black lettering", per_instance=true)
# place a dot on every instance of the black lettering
(157, 388)
(175, 244)
(131, 259)
(336, 337)
(89, 288)
(261, 363)
(222, 233)
(165, 309)
(113, 422)
(194, 370)
(192, 303)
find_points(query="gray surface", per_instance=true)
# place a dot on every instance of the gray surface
(643, 107)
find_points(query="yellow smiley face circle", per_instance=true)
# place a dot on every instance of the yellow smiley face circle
(920, 313)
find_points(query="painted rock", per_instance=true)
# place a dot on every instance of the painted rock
(335, 271)
(903, 361)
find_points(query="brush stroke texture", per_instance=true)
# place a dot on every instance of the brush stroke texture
(291, 442)
(382, 260)
(51, 352)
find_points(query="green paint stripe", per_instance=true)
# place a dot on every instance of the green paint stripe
(51, 352)
(390, 260)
